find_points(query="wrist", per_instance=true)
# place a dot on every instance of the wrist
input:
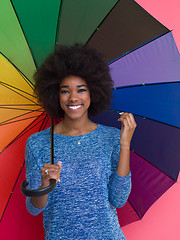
(125, 147)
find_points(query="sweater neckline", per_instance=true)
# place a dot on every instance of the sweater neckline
(82, 135)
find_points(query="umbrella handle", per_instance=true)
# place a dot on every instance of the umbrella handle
(38, 192)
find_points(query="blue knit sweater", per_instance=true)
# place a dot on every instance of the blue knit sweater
(83, 204)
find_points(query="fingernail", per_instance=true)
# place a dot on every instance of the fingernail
(58, 180)
(121, 113)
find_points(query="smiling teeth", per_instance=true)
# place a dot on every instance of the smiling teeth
(75, 107)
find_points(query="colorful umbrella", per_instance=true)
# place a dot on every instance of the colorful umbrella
(145, 66)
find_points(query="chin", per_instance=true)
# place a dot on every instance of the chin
(76, 116)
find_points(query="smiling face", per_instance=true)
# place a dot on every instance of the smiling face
(74, 97)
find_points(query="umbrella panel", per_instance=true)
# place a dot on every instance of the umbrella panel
(159, 102)
(79, 19)
(38, 20)
(156, 62)
(148, 184)
(126, 27)
(159, 144)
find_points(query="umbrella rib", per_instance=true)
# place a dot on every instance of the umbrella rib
(144, 117)
(23, 33)
(9, 87)
(11, 105)
(24, 131)
(140, 217)
(153, 165)
(101, 22)
(15, 108)
(7, 121)
(44, 122)
(145, 84)
(18, 120)
(22, 74)
(114, 60)
(13, 87)
(58, 23)
(157, 121)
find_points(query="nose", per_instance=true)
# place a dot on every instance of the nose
(73, 97)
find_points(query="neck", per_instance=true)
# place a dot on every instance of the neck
(77, 126)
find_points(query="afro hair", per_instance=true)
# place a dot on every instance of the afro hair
(78, 60)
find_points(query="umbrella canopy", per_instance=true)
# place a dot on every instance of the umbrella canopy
(145, 67)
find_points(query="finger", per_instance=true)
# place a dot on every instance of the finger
(50, 171)
(122, 115)
(59, 164)
(54, 171)
(126, 120)
(132, 120)
(126, 123)
(54, 168)
(49, 166)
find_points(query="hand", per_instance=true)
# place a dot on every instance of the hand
(127, 129)
(50, 171)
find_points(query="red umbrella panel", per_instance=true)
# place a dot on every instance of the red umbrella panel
(145, 67)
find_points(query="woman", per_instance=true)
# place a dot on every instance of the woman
(91, 160)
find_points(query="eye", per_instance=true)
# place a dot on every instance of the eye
(82, 90)
(64, 91)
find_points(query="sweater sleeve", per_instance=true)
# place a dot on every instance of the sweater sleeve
(33, 176)
(119, 190)
(119, 187)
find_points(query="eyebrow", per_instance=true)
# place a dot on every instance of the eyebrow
(79, 86)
